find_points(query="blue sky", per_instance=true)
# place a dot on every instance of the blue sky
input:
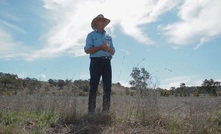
(175, 41)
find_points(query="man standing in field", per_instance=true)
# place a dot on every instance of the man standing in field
(100, 47)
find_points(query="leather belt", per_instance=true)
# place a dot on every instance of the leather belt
(102, 57)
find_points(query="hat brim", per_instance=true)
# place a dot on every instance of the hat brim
(93, 23)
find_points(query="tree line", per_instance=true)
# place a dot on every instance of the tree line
(11, 84)
(141, 80)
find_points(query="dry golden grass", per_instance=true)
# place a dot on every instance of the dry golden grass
(40, 113)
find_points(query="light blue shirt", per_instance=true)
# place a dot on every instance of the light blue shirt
(95, 39)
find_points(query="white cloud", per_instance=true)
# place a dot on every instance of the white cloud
(71, 22)
(69, 27)
(22, 75)
(202, 41)
(189, 80)
(200, 20)
(12, 26)
(10, 49)
(42, 77)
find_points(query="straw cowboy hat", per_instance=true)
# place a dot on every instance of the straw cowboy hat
(100, 16)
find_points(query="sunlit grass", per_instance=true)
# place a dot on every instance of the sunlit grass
(27, 121)
(39, 113)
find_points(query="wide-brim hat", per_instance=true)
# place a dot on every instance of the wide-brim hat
(100, 16)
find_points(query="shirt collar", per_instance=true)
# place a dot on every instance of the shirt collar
(99, 32)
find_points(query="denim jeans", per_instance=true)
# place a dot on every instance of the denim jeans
(100, 68)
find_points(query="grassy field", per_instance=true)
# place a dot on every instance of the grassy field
(53, 113)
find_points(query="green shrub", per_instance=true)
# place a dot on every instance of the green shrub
(30, 121)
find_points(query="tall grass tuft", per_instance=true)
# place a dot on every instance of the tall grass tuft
(147, 111)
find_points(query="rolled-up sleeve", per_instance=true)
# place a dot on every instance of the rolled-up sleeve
(111, 44)
(89, 42)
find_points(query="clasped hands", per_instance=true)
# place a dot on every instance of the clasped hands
(105, 46)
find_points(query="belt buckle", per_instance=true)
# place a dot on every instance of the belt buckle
(105, 57)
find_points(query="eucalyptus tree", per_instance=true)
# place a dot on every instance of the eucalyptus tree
(211, 86)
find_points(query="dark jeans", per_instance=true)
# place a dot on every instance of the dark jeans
(100, 68)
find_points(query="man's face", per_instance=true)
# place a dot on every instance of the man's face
(100, 24)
